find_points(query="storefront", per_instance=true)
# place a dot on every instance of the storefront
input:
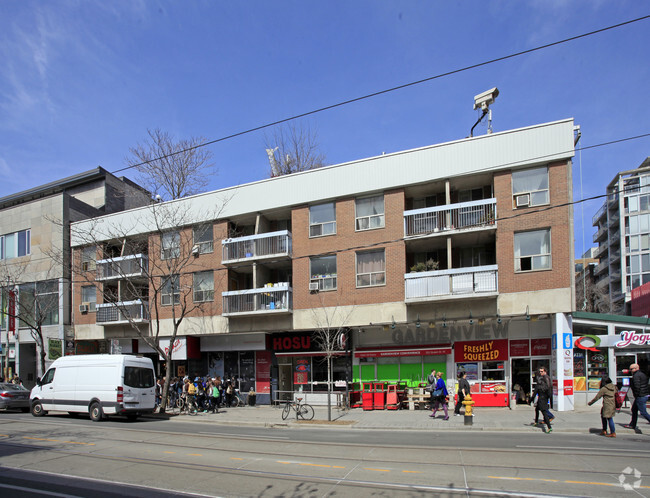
(606, 346)
(303, 367)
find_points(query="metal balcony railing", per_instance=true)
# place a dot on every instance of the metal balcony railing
(276, 299)
(604, 265)
(463, 215)
(469, 282)
(122, 312)
(601, 234)
(254, 247)
(599, 214)
(134, 265)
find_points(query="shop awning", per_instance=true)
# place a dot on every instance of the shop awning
(406, 351)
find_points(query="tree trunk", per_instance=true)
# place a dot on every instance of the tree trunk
(329, 388)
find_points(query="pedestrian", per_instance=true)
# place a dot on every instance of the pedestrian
(542, 393)
(641, 392)
(215, 396)
(159, 387)
(229, 393)
(463, 390)
(440, 396)
(608, 392)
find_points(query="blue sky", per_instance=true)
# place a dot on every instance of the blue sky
(82, 81)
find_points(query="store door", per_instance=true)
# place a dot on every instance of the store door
(521, 379)
(285, 387)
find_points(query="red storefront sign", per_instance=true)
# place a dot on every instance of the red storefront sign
(12, 312)
(470, 351)
(290, 342)
(392, 352)
(568, 387)
(263, 362)
(540, 347)
(520, 347)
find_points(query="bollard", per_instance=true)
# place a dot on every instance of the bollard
(469, 416)
(513, 401)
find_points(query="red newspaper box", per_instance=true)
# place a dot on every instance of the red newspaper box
(392, 400)
(367, 396)
(379, 396)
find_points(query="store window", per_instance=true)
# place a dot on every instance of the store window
(371, 268)
(369, 213)
(533, 250)
(530, 187)
(323, 272)
(322, 219)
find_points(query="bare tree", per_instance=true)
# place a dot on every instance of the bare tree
(331, 336)
(293, 148)
(593, 298)
(172, 168)
(164, 261)
(31, 305)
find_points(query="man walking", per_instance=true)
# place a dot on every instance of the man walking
(463, 390)
(641, 392)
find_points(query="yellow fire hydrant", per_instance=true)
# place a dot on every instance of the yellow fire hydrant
(469, 403)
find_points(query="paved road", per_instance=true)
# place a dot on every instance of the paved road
(187, 455)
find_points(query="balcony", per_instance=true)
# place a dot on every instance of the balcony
(601, 250)
(122, 312)
(132, 266)
(476, 281)
(461, 216)
(604, 265)
(256, 247)
(600, 235)
(277, 299)
(599, 214)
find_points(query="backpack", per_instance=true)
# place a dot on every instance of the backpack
(191, 389)
(618, 400)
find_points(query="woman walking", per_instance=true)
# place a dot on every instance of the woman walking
(607, 412)
(439, 396)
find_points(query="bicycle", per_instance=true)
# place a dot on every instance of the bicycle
(303, 410)
(187, 405)
(237, 399)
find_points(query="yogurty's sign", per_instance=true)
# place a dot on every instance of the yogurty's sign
(629, 337)
(624, 339)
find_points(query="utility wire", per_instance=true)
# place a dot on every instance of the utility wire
(388, 90)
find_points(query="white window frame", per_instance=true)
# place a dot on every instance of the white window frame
(203, 295)
(169, 294)
(202, 240)
(170, 245)
(91, 301)
(372, 221)
(375, 278)
(322, 228)
(524, 176)
(14, 236)
(532, 256)
(325, 281)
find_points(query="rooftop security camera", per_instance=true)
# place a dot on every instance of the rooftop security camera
(485, 99)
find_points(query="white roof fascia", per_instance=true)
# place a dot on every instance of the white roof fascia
(517, 148)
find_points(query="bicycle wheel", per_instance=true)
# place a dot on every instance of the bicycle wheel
(285, 411)
(306, 412)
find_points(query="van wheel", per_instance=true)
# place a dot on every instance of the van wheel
(96, 412)
(37, 409)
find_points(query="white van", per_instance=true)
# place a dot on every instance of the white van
(97, 384)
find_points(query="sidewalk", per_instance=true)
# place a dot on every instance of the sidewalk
(582, 420)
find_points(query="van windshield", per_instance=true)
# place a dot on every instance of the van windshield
(138, 377)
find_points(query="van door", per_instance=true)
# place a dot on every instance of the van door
(139, 387)
(46, 394)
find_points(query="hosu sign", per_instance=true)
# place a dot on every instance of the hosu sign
(291, 342)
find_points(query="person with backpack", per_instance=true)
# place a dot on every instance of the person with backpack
(440, 396)
(463, 390)
(215, 394)
(608, 392)
(190, 396)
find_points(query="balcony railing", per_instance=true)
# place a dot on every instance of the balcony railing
(463, 215)
(604, 265)
(601, 234)
(599, 214)
(122, 312)
(276, 299)
(461, 282)
(135, 265)
(255, 247)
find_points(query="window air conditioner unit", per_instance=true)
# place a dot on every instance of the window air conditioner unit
(313, 286)
(523, 200)
(196, 249)
(83, 308)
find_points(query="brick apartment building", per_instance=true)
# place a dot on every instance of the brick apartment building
(456, 256)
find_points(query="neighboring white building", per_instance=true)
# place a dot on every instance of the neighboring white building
(623, 236)
(34, 225)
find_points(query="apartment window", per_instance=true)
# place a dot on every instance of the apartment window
(533, 250)
(170, 292)
(371, 268)
(530, 187)
(203, 238)
(370, 213)
(38, 303)
(89, 297)
(14, 245)
(88, 257)
(322, 220)
(203, 286)
(323, 272)
(171, 245)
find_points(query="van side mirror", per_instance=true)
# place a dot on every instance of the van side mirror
(38, 381)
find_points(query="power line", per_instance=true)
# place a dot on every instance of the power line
(388, 90)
